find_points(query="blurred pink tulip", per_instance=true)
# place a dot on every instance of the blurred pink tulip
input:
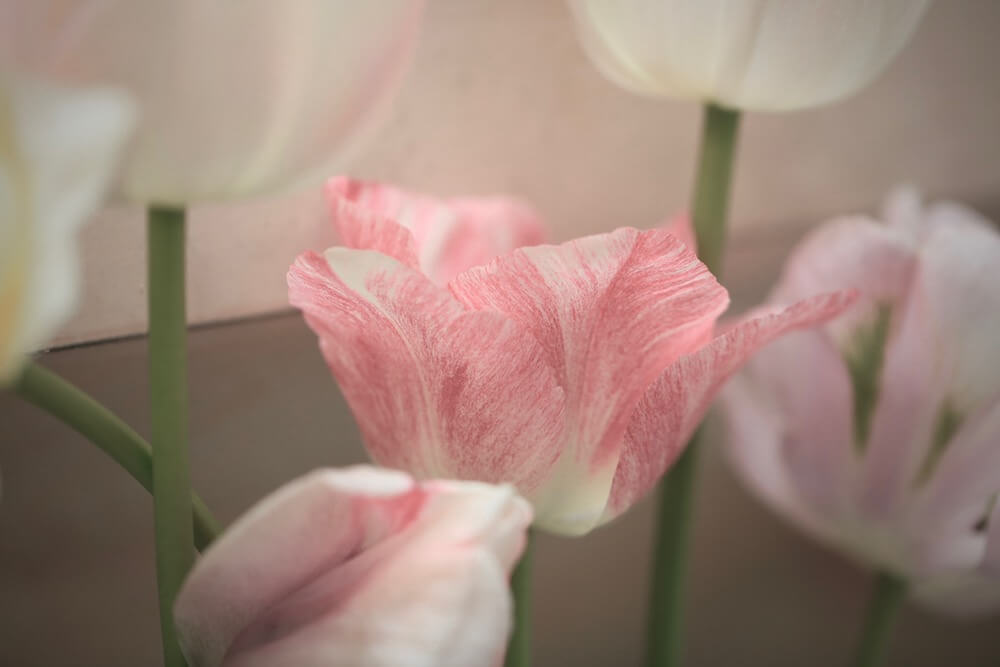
(575, 372)
(360, 567)
(880, 432)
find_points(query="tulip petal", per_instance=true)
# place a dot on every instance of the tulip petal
(673, 406)
(361, 567)
(436, 390)
(763, 56)
(610, 311)
(442, 237)
(935, 366)
(58, 148)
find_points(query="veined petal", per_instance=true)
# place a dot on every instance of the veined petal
(610, 312)
(437, 390)
(673, 406)
(443, 237)
(681, 226)
(58, 149)
(361, 567)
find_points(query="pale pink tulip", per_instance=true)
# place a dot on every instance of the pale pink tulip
(575, 372)
(360, 567)
(880, 433)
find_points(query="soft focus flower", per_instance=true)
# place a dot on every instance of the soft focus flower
(763, 55)
(359, 567)
(576, 372)
(880, 433)
(58, 147)
(235, 97)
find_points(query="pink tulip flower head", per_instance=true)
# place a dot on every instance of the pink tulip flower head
(575, 372)
(360, 567)
(879, 433)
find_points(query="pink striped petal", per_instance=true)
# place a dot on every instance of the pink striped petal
(436, 390)
(611, 312)
(675, 404)
(358, 567)
(681, 226)
(443, 237)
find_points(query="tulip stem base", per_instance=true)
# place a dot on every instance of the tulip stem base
(168, 415)
(519, 648)
(709, 210)
(886, 600)
(73, 407)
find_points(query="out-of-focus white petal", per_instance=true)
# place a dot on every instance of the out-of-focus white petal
(58, 150)
(235, 98)
(766, 55)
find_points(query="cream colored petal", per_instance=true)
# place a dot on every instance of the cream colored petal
(766, 55)
(58, 148)
(236, 98)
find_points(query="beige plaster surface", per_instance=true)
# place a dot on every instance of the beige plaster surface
(501, 99)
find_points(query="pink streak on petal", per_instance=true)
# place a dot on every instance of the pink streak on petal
(610, 311)
(436, 390)
(360, 567)
(681, 226)
(675, 404)
(366, 225)
(442, 236)
(280, 545)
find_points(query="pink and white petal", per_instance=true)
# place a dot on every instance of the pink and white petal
(755, 437)
(962, 297)
(281, 544)
(850, 253)
(445, 609)
(611, 312)
(437, 390)
(445, 236)
(681, 226)
(943, 359)
(675, 404)
(966, 479)
(482, 228)
(364, 216)
(361, 567)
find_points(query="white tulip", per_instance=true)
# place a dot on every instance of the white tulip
(57, 150)
(761, 55)
(235, 98)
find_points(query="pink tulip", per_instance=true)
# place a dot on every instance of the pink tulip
(360, 567)
(880, 433)
(575, 372)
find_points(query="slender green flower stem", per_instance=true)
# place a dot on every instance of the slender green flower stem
(886, 600)
(168, 416)
(519, 648)
(73, 407)
(709, 210)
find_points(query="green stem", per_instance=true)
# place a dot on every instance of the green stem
(709, 210)
(710, 207)
(886, 600)
(519, 648)
(168, 416)
(83, 414)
